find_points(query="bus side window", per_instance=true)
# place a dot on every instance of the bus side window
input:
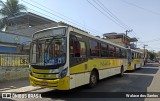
(76, 48)
(94, 48)
(132, 55)
(120, 53)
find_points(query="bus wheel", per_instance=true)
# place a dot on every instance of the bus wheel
(135, 67)
(121, 72)
(141, 65)
(93, 79)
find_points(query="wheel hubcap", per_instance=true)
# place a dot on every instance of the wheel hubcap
(93, 79)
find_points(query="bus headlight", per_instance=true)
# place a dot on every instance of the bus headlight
(63, 73)
(30, 72)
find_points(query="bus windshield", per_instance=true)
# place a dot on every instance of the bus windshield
(50, 51)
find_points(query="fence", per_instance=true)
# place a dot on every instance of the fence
(13, 66)
(13, 60)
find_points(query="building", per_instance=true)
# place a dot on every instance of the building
(125, 41)
(27, 23)
(13, 43)
(120, 39)
(19, 31)
(145, 53)
(21, 27)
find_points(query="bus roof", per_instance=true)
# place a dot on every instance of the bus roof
(50, 28)
(136, 51)
(83, 33)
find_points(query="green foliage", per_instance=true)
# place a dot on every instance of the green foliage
(2, 23)
(158, 54)
(9, 9)
(152, 56)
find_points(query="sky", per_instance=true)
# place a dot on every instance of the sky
(142, 16)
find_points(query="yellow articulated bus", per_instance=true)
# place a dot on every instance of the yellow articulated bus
(135, 59)
(66, 57)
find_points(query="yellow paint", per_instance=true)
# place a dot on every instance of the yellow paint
(14, 60)
(129, 67)
(39, 70)
(134, 62)
(45, 76)
(78, 68)
(64, 83)
(60, 84)
(98, 64)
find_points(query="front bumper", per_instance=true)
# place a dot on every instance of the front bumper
(59, 84)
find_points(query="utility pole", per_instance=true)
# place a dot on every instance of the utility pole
(144, 54)
(127, 31)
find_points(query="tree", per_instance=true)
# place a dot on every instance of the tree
(152, 55)
(158, 54)
(9, 9)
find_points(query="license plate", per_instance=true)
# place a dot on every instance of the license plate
(44, 83)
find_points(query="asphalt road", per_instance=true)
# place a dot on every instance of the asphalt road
(136, 81)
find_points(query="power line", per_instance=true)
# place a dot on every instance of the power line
(136, 36)
(106, 15)
(59, 16)
(62, 15)
(43, 10)
(154, 47)
(147, 10)
(44, 14)
(75, 22)
(157, 43)
(149, 41)
(135, 33)
(112, 16)
(100, 4)
(110, 13)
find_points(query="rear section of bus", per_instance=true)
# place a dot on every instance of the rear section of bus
(135, 59)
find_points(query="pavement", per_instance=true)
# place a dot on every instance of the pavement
(13, 84)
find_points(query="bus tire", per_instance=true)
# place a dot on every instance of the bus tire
(135, 67)
(121, 72)
(93, 79)
(141, 66)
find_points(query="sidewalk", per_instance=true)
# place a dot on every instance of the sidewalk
(13, 84)
(154, 87)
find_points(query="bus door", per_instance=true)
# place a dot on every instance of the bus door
(129, 57)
